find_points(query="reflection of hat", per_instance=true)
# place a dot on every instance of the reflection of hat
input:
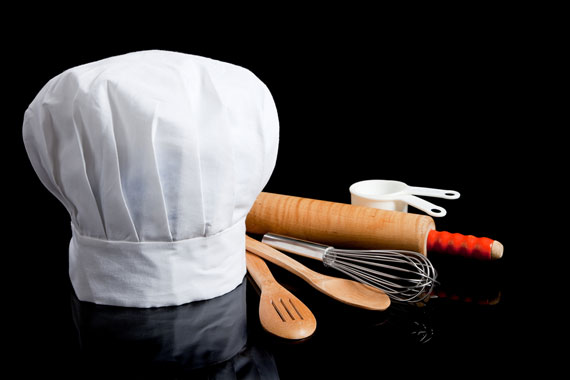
(166, 340)
(158, 157)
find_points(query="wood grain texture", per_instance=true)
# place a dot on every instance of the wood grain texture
(280, 312)
(338, 224)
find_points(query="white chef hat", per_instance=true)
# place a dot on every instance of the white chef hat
(158, 157)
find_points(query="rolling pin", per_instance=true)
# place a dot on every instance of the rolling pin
(347, 226)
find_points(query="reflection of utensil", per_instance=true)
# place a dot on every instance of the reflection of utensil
(280, 312)
(490, 300)
(405, 276)
(346, 291)
(396, 196)
(348, 226)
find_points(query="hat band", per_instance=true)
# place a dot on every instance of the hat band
(153, 274)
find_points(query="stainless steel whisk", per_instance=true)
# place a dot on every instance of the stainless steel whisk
(404, 276)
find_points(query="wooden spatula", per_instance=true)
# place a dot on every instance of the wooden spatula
(280, 312)
(347, 291)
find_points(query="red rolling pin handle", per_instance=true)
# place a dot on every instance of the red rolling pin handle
(462, 245)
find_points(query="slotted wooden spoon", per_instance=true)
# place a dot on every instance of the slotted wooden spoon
(280, 312)
(347, 291)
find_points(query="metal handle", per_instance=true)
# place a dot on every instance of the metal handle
(296, 246)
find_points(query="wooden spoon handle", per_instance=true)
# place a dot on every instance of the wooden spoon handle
(280, 259)
(258, 270)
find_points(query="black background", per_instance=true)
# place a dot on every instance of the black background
(447, 102)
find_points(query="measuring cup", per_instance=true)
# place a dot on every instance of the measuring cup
(396, 196)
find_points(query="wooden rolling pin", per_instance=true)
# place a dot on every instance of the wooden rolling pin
(347, 226)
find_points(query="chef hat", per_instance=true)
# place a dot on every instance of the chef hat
(158, 157)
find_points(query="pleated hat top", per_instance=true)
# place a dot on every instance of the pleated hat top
(158, 157)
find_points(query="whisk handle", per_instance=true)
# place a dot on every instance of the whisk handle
(464, 245)
(280, 259)
(297, 246)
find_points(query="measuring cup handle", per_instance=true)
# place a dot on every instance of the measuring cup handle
(438, 193)
(423, 205)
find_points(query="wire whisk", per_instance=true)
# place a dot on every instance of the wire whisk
(405, 276)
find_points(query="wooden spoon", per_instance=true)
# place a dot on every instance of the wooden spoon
(347, 291)
(280, 312)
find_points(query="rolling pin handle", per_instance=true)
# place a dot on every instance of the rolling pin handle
(464, 245)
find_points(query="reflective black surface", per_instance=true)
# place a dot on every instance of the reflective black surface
(223, 339)
(201, 338)
(462, 325)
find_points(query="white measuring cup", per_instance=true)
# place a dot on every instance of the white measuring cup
(396, 196)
